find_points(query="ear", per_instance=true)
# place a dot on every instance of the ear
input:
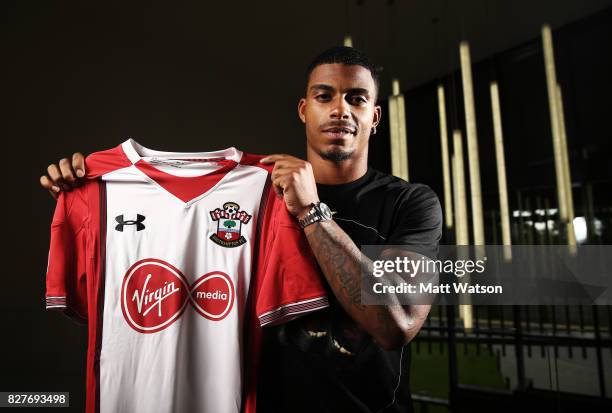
(377, 115)
(301, 108)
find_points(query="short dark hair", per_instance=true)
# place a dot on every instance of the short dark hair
(347, 56)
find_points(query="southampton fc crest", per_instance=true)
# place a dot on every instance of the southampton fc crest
(229, 224)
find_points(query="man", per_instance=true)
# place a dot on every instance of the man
(350, 357)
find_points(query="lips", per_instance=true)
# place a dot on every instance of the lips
(340, 131)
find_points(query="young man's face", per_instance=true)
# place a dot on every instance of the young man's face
(339, 110)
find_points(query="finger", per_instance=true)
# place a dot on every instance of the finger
(67, 172)
(55, 175)
(78, 164)
(275, 157)
(278, 165)
(285, 173)
(279, 186)
(46, 183)
(280, 171)
(289, 163)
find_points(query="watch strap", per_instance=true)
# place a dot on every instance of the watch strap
(314, 215)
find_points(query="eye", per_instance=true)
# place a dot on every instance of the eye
(357, 99)
(322, 96)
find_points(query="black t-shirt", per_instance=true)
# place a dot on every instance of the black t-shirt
(324, 362)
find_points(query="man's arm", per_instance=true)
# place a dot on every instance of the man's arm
(341, 261)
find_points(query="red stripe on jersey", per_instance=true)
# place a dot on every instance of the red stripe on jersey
(186, 188)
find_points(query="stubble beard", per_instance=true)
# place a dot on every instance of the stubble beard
(337, 155)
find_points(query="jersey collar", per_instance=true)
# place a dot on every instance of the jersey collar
(187, 189)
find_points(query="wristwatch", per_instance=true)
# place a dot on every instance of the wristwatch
(318, 212)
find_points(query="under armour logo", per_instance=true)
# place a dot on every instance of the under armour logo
(122, 222)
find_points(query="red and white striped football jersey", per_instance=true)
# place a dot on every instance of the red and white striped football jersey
(175, 261)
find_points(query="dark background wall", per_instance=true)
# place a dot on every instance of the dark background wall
(207, 76)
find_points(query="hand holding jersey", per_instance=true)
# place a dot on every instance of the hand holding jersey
(294, 181)
(65, 175)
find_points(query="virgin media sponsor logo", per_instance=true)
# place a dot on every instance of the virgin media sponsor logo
(213, 295)
(154, 294)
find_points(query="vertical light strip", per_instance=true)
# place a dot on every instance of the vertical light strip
(348, 41)
(393, 133)
(472, 143)
(551, 85)
(403, 144)
(462, 235)
(571, 235)
(455, 189)
(448, 200)
(501, 168)
(461, 223)
(395, 87)
(456, 200)
(397, 129)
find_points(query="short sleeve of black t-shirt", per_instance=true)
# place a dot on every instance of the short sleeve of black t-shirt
(324, 362)
(419, 221)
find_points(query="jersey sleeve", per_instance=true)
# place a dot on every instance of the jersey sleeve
(290, 280)
(66, 280)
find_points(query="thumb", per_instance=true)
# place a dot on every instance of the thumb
(78, 164)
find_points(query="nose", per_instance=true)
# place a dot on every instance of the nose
(341, 108)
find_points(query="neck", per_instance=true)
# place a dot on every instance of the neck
(334, 173)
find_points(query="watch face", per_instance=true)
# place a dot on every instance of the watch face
(325, 211)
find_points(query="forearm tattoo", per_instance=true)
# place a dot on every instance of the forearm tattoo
(339, 257)
(341, 262)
